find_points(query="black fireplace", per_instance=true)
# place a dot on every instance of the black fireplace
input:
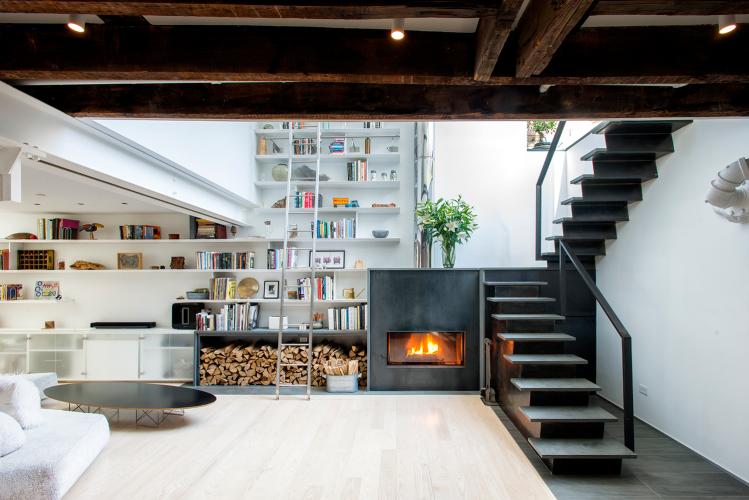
(424, 330)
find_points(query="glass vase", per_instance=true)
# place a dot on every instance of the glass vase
(448, 254)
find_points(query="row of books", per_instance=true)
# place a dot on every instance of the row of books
(57, 229)
(336, 229)
(323, 289)
(357, 171)
(142, 232)
(225, 260)
(294, 258)
(11, 292)
(5, 259)
(305, 146)
(231, 317)
(348, 318)
(222, 289)
(305, 199)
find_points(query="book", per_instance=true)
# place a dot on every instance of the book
(357, 171)
(5, 259)
(348, 318)
(140, 232)
(231, 317)
(11, 292)
(223, 260)
(57, 229)
(336, 229)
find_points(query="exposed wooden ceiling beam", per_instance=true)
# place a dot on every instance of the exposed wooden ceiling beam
(589, 56)
(542, 30)
(670, 7)
(491, 35)
(125, 20)
(330, 9)
(275, 101)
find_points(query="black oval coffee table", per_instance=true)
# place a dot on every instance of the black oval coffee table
(151, 402)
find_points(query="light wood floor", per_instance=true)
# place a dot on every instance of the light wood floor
(347, 447)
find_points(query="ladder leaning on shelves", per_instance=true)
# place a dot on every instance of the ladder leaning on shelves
(284, 262)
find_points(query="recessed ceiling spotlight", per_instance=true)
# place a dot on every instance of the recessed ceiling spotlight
(38, 204)
(124, 203)
(726, 24)
(398, 29)
(76, 23)
(40, 194)
(81, 204)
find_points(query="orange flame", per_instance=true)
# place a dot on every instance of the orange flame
(426, 347)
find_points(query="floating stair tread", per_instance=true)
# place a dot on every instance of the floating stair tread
(640, 127)
(545, 359)
(591, 219)
(603, 154)
(520, 299)
(567, 414)
(515, 283)
(555, 384)
(528, 317)
(582, 200)
(536, 337)
(582, 237)
(580, 448)
(619, 179)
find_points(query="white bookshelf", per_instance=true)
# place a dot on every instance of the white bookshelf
(327, 185)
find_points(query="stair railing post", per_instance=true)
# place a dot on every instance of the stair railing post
(628, 394)
(562, 283)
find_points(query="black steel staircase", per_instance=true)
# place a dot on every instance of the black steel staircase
(539, 380)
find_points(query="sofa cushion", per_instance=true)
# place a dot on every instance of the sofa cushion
(19, 398)
(42, 381)
(11, 435)
(55, 455)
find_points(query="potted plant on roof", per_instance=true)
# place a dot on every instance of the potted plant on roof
(542, 130)
(452, 222)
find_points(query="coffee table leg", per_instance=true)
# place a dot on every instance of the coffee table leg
(174, 413)
(110, 416)
(156, 417)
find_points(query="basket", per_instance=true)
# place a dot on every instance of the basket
(342, 383)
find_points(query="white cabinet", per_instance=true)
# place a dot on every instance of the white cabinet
(86, 354)
(112, 356)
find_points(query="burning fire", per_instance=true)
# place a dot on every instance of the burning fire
(426, 347)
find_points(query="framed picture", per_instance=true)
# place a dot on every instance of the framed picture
(129, 261)
(271, 289)
(329, 259)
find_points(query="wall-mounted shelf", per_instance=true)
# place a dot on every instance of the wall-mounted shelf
(341, 241)
(329, 158)
(287, 331)
(331, 210)
(35, 301)
(205, 241)
(330, 133)
(331, 184)
(288, 302)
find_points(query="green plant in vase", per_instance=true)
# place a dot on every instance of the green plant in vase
(452, 222)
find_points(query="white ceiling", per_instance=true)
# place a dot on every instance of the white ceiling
(49, 190)
(455, 25)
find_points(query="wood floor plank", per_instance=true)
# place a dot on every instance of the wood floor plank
(348, 447)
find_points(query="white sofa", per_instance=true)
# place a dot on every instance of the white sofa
(56, 446)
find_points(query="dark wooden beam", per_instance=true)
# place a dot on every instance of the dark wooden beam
(276, 101)
(589, 56)
(124, 20)
(542, 30)
(491, 36)
(651, 55)
(670, 7)
(238, 53)
(330, 9)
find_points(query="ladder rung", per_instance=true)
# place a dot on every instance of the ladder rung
(292, 385)
(293, 364)
(295, 345)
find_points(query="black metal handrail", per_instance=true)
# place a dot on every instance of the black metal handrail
(540, 182)
(627, 390)
(564, 252)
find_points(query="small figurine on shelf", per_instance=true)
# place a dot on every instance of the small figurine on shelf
(268, 229)
(91, 229)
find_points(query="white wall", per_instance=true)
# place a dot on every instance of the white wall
(678, 276)
(221, 151)
(487, 163)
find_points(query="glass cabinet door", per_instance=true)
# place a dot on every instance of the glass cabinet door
(13, 353)
(61, 353)
(167, 356)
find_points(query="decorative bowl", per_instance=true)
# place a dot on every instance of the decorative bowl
(380, 233)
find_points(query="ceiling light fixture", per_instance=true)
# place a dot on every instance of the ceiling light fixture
(76, 23)
(726, 24)
(398, 29)
(81, 204)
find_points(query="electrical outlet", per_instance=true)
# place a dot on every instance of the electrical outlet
(643, 390)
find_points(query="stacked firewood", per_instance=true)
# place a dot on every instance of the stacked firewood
(240, 363)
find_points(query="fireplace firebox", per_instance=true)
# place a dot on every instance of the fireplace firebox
(427, 349)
